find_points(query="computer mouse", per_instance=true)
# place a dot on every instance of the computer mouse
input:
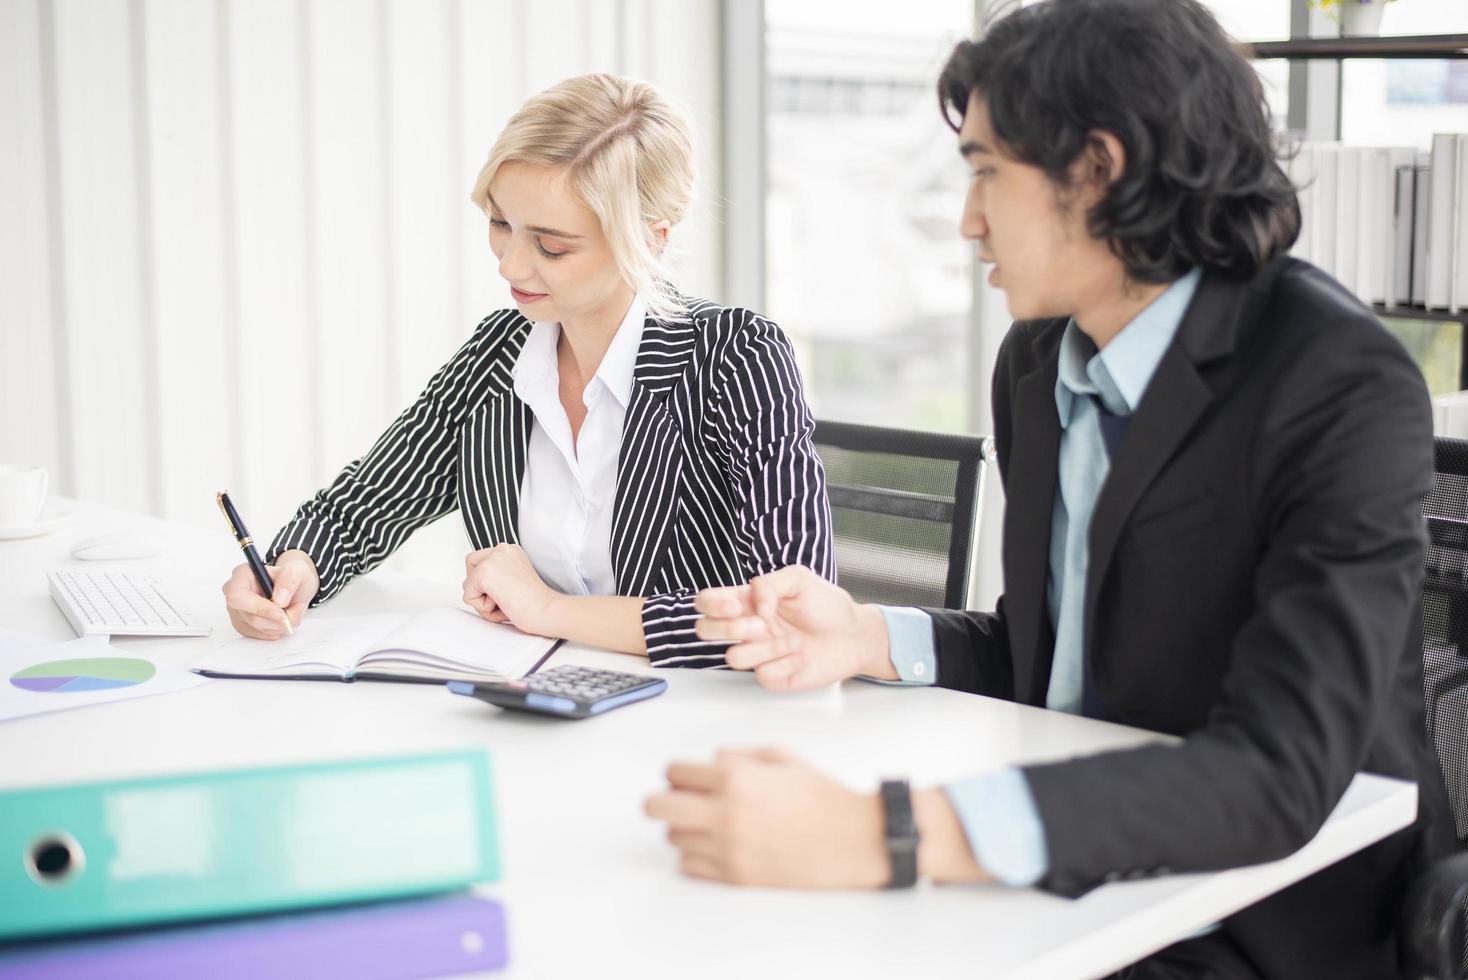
(117, 547)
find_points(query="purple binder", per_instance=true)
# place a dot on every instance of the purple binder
(427, 937)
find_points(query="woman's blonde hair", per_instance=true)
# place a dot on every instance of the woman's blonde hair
(629, 155)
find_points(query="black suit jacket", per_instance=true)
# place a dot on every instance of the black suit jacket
(1255, 571)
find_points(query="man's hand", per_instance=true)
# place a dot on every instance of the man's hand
(796, 630)
(766, 818)
(503, 587)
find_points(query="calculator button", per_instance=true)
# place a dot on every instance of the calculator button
(585, 685)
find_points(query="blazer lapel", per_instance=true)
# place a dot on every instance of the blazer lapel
(1033, 468)
(650, 461)
(500, 461)
(493, 453)
(1174, 402)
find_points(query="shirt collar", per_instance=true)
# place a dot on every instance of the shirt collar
(536, 372)
(1120, 372)
(619, 364)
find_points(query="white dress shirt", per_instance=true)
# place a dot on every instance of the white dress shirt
(570, 487)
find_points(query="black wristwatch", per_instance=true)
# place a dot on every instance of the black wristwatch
(901, 834)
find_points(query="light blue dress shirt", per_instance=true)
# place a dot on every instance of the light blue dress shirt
(997, 809)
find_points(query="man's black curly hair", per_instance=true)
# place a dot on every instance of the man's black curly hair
(1202, 183)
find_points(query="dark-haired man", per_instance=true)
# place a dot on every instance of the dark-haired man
(1213, 457)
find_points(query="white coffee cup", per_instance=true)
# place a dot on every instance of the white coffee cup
(22, 494)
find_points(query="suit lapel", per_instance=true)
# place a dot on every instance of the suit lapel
(492, 465)
(1174, 402)
(1033, 467)
(507, 423)
(650, 461)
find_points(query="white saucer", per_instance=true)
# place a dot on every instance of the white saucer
(53, 516)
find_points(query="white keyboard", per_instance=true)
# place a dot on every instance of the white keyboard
(120, 604)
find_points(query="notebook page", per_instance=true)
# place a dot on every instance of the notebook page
(450, 642)
(323, 646)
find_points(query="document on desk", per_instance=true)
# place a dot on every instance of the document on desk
(39, 675)
(444, 644)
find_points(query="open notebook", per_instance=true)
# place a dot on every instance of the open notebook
(445, 644)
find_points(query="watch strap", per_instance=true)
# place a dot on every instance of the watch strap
(901, 836)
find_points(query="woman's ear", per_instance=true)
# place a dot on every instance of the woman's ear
(660, 230)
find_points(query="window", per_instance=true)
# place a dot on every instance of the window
(1260, 20)
(864, 265)
(1402, 103)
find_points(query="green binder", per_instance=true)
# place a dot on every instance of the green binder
(102, 855)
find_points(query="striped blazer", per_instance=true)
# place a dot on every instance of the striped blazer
(717, 479)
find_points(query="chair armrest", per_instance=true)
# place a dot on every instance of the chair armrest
(1434, 926)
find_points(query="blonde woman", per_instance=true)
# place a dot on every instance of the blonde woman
(612, 446)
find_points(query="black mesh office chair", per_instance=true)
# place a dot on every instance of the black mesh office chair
(906, 509)
(1435, 923)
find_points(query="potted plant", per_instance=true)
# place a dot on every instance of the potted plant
(1358, 18)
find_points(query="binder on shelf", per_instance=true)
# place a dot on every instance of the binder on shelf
(1460, 238)
(1401, 285)
(1404, 176)
(1372, 243)
(1440, 221)
(1348, 217)
(1327, 169)
(1301, 171)
(446, 935)
(204, 845)
(1421, 203)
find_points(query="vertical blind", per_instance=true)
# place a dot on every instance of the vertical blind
(234, 234)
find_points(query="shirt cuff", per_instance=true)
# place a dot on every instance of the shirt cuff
(1000, 819)
(910, 645)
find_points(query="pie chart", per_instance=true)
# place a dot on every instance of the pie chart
(89, 674)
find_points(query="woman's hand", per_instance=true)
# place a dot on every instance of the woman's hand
(502, 586)
(251, 614)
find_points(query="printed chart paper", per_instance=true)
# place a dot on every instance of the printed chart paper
(38, 675)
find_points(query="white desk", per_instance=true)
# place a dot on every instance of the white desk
(590, 886)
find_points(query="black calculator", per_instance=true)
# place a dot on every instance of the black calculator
(567, 691)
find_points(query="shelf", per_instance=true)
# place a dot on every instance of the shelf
(1408, 46)
(1418, 313)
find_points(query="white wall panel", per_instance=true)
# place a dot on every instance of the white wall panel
(661, 56)
(428, 195)
(491, 67)
(349, 200)
(29, 430)
(555, 43)
(235, 237)
(635, 37)
(197, 428)
(277, 344)
(108, 343)
(601, 36)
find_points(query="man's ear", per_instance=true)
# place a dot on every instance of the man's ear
(1103, 159)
